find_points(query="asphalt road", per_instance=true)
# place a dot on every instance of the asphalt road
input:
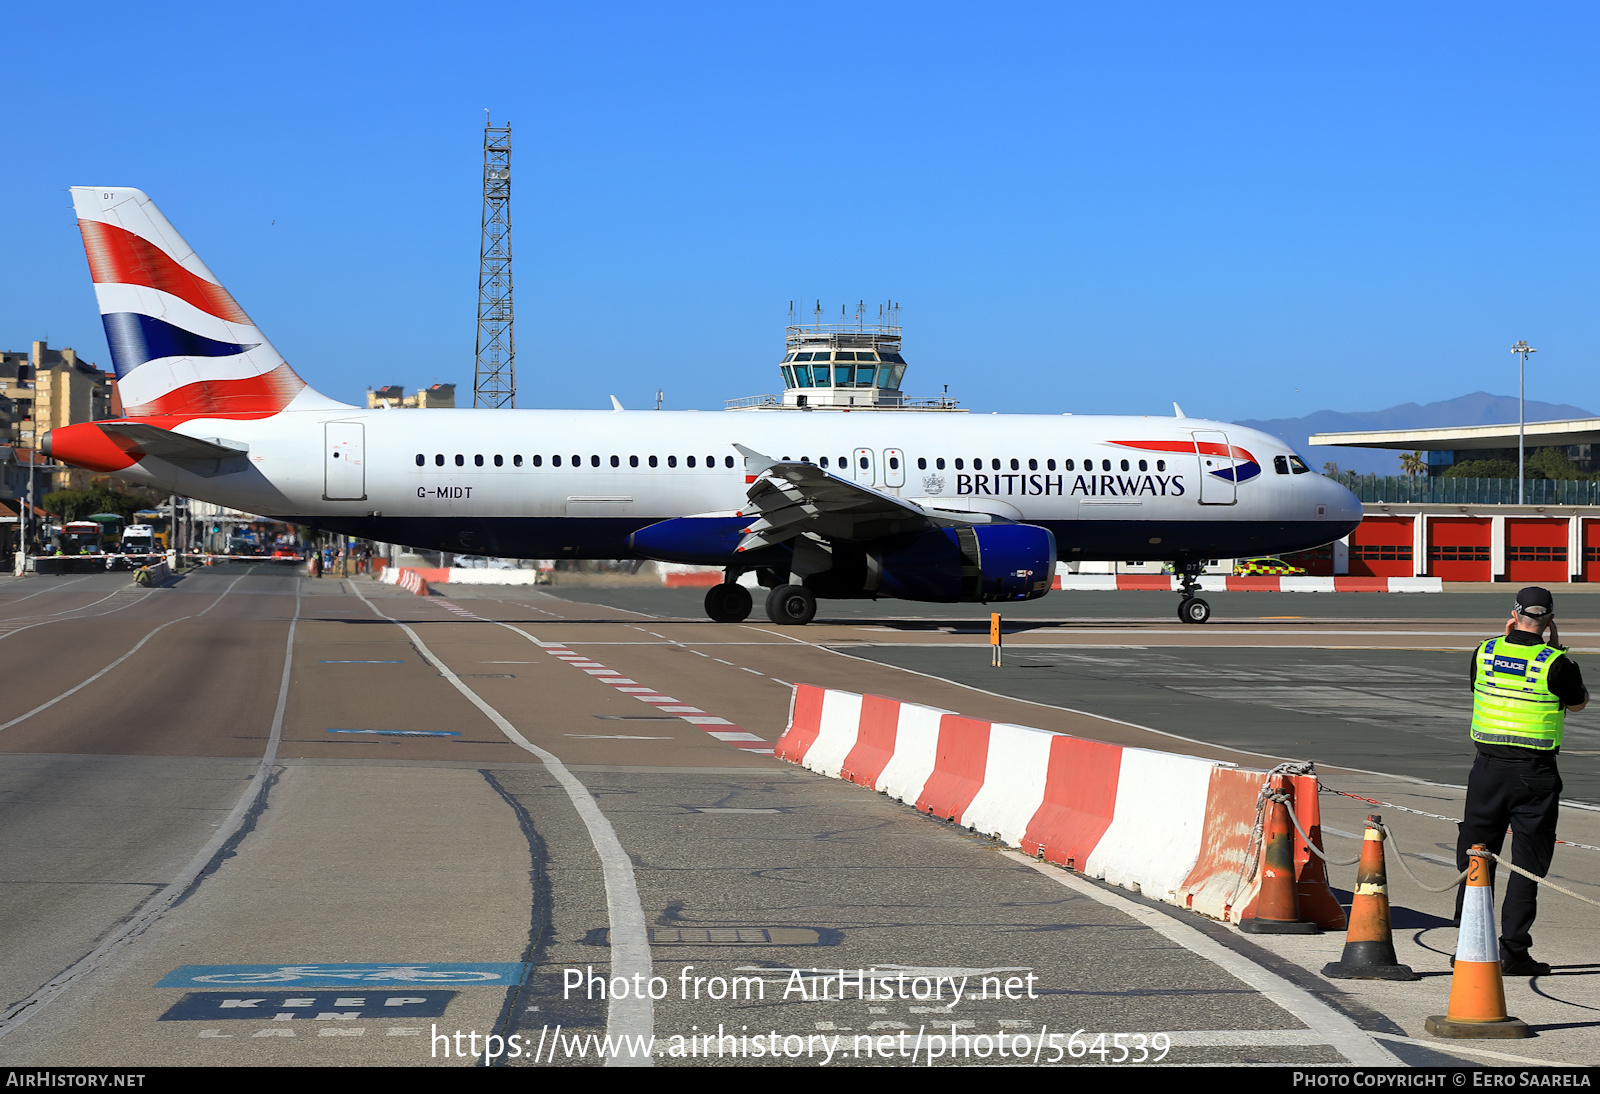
(443, 794)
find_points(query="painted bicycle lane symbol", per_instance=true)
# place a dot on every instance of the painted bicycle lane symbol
(416, 974)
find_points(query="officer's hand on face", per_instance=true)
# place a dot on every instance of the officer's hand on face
(1555, 633)
(1511, 625)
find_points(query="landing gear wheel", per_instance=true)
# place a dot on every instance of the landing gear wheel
(793, 605)
(1194, 610)
(728, 603)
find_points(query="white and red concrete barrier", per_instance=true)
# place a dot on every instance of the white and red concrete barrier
(1223, 583)
(407, 577)
(1175, 828)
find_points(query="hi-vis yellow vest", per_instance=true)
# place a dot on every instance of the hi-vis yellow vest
(1511, 699)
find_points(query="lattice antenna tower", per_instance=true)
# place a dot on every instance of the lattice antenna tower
(495, 382)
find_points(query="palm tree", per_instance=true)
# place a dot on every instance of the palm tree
(1413, 464)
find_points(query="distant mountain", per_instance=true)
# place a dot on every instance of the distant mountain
(1479, 408)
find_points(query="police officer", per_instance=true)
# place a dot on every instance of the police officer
(1522, 686)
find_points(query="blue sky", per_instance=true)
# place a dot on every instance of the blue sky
(1256, 210)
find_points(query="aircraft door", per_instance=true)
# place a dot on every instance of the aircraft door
(1215, 455)
(894, 467)
(345, 477)
(861, 466)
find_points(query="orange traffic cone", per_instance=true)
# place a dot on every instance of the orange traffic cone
(1477, 994)
(1277, 908)
(1369, 947)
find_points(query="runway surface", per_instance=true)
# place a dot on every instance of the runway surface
(366, 817)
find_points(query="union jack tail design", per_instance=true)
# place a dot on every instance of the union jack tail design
(182, 347)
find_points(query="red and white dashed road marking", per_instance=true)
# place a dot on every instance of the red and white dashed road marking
(720, 728)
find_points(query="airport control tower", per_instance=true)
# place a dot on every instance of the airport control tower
(843, 366)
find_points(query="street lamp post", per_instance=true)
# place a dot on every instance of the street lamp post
(1522, 349)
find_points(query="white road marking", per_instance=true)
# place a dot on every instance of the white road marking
(632, 1017)
(1347, 1038)
(20, 1012)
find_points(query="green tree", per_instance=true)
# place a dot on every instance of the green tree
(1553, 463)
(1483, 469)
(78, 504)
(1413, 464)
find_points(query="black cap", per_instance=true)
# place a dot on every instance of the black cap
(1535, 602)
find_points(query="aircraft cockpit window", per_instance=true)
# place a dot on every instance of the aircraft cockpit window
(1299, 465)
(421, 459)
(1280, 464)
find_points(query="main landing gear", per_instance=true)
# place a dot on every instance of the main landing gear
(1191, 609)
(793, 605)
(728, 602)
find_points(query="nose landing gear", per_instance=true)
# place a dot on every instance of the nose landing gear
(1191, 609)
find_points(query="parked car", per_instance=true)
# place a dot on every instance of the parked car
(1266, 567)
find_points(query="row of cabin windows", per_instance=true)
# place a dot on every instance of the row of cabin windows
(577, 461)
(842, 464)
(1033, 465)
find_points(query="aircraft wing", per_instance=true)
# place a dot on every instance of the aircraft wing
(139, 440)
(789, 498)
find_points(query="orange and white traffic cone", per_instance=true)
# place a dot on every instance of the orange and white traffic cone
(1369, 947)
(1477, 994)
(1277, 909)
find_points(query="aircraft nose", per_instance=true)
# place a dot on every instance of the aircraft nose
(1343, 507)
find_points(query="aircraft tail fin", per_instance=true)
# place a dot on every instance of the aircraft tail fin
(181, 346)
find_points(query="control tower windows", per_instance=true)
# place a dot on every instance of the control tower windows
(788, 377)
(789, 358)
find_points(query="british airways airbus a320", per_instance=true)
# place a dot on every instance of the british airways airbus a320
(916, 506)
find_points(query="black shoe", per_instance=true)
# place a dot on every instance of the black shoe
(1523, 966)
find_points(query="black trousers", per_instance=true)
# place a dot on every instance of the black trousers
(1526, 796)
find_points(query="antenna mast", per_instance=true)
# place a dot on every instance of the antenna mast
(495, 382)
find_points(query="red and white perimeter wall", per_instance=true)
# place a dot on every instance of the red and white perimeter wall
(1175, 828)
